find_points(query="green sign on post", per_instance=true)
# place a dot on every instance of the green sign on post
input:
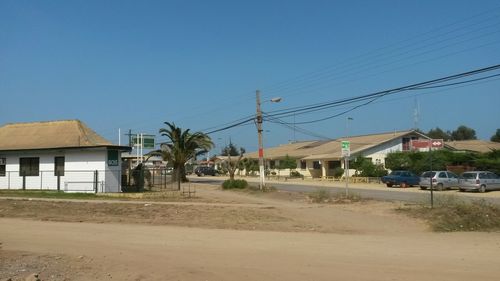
(346, 148)
(148, 141)
(346, 144)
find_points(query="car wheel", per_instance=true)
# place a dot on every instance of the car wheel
(482, 188)
(439, 187)
(388, 184)
(423, 187)
(403, 185)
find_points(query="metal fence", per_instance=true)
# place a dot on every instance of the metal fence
(69, 181)
(149, 179)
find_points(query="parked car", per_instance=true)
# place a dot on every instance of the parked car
(202, 171)
(479, 180)
(401, 178)
(441, 180)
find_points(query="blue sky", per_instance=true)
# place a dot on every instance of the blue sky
(135, 64)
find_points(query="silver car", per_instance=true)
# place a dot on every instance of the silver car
(441, 180)
(479, 180)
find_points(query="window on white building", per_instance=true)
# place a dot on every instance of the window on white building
(3, 163)
(59, 166)
(29, 166)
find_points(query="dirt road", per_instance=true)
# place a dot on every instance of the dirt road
(143, 252)
(234, 236)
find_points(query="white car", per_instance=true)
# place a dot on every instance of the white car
(479, 180)
(441, 180)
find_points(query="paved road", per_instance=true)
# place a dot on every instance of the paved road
(390, 194)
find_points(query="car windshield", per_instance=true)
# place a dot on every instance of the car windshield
(396, 173)
(469, 175)
(428, 174)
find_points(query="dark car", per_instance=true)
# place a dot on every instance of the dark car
(401, 178)
(202, 171)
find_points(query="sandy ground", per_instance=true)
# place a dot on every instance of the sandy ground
(225, 235)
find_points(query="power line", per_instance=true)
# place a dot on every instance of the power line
(382, 53)
(246, 118)
(376, 98)
(315, 107)
(415, 42)
(477, 21)
(299, 129)
(325, 80)
(231, 126)
(273, 116)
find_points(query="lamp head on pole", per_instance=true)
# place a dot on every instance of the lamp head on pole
(276, 99)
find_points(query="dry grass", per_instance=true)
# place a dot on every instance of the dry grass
(451, 213)
(190, 215)
(323, 195)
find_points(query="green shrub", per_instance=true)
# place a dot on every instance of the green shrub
(295, 174)
(338, 172)
(234, 184)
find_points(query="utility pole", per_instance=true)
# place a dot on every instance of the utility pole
(261, 148)
(432, 187)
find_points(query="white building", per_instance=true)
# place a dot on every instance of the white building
(58, 155)
(319, 159)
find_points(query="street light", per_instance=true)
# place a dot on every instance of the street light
(346, 158)
(347, 126)
(259, 133)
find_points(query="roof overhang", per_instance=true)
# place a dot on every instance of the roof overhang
(322, 157)
(115, 147)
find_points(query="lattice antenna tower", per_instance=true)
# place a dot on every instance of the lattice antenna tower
(416, 114)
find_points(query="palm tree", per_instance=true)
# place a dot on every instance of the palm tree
(182, 146)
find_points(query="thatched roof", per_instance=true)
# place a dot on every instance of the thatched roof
(50, 135)
(474, 145)
(295, 150)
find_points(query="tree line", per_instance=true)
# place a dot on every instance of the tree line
(461, 133)
(458, 162)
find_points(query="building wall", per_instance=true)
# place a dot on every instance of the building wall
(79, 171)
(113, 175)
(379, 152)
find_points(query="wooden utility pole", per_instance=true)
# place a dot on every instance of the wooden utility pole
(261, 148)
